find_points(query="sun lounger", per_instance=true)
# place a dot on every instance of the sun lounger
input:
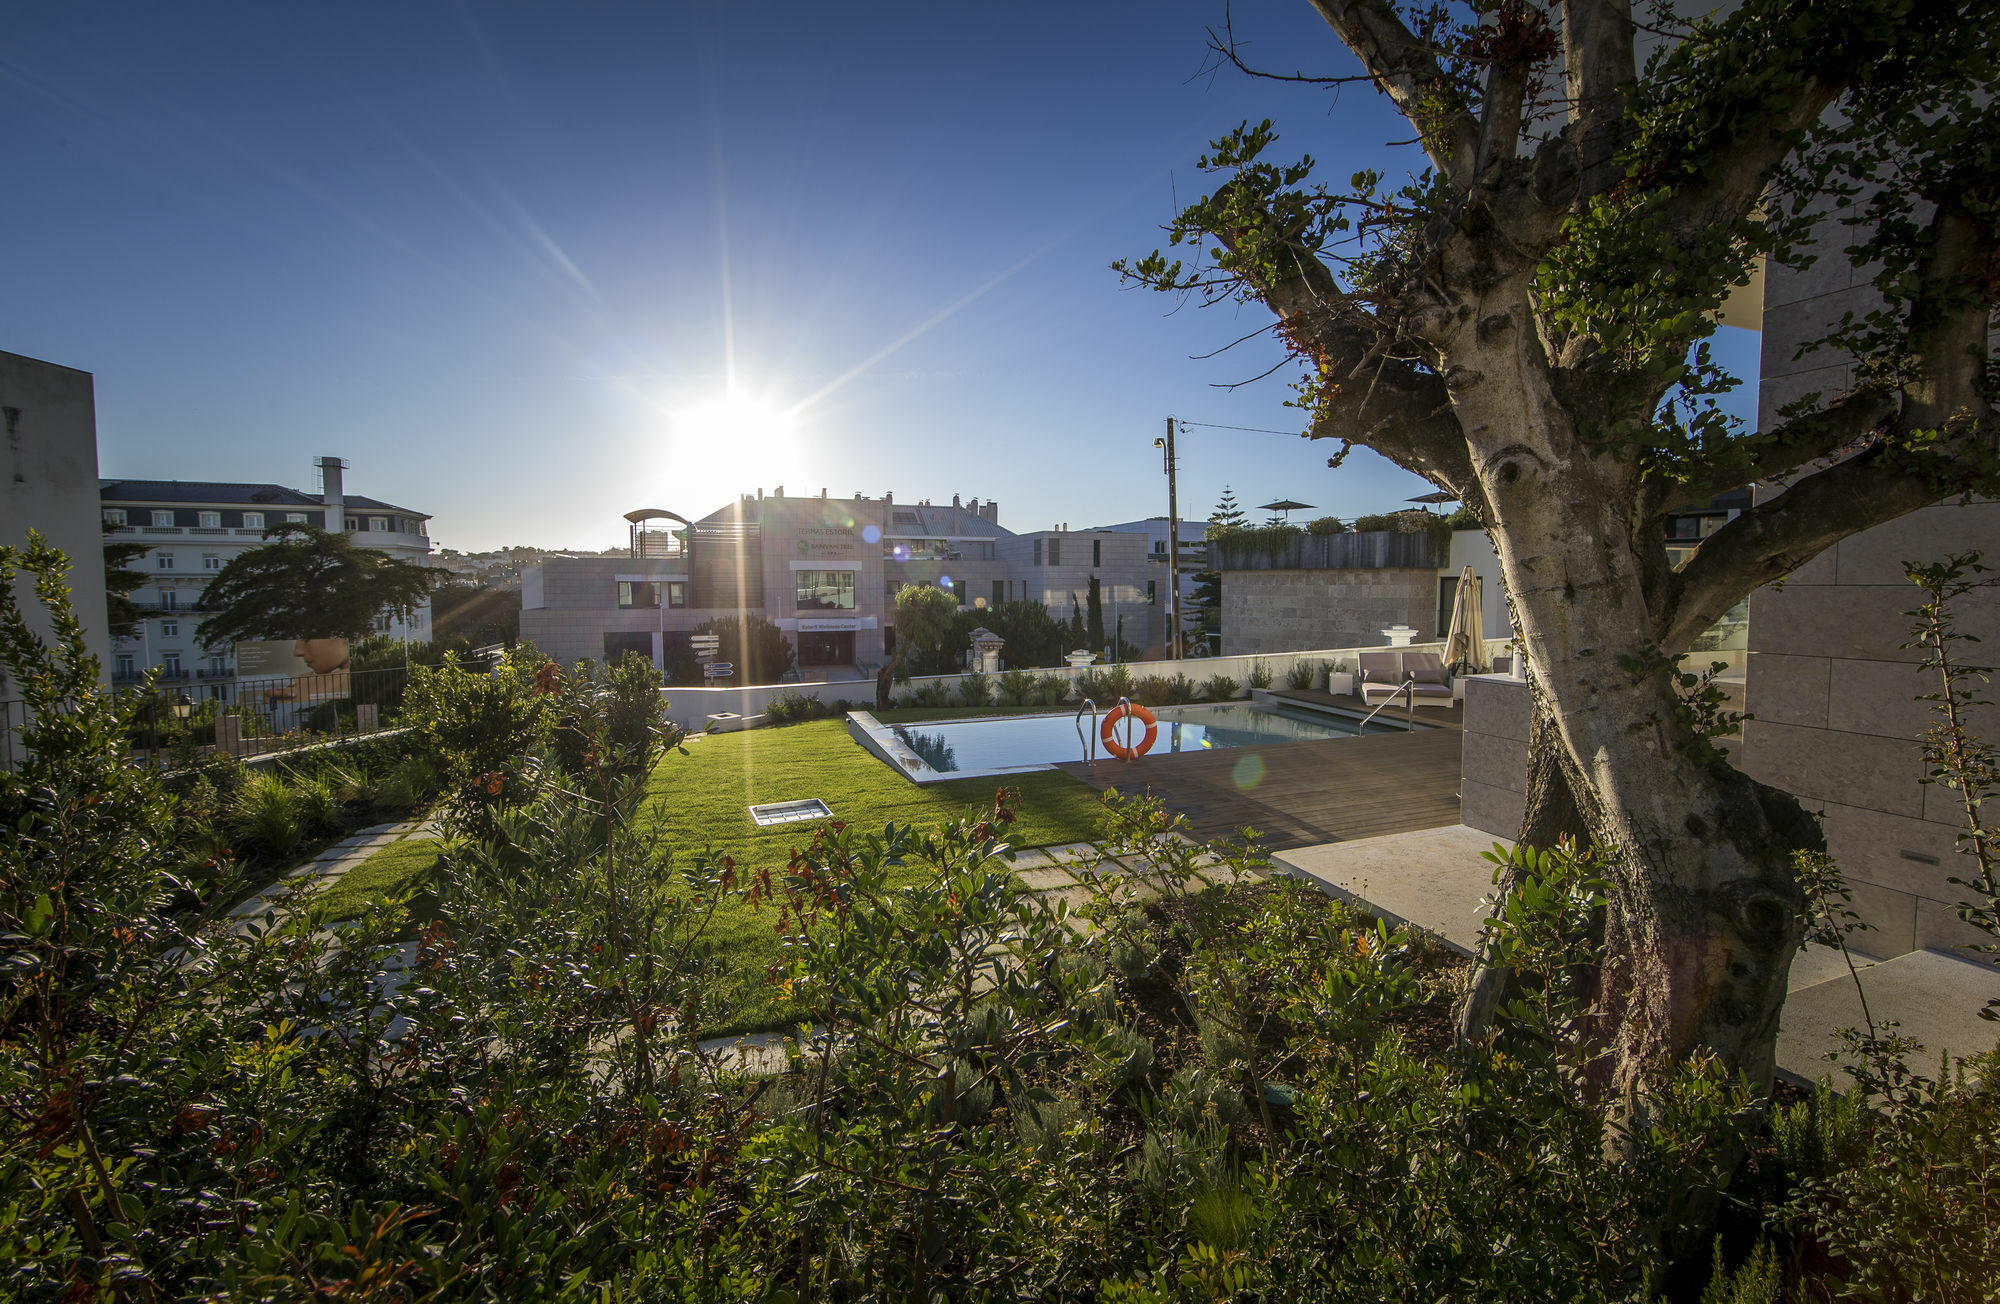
(1417, 676)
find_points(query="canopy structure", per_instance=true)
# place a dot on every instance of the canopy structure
(1465, 642)
(1285, 505)
(1433, 499)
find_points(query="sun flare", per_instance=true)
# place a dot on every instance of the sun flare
(728, 438)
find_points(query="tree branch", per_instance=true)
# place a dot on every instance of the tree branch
(1799, 442)
(1408, 72)
(1779, 535)
(1599, 68)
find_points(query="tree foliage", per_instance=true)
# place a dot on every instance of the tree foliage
(120, 578)
(308, 583)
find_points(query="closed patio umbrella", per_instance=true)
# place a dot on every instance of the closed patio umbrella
(1465, 644)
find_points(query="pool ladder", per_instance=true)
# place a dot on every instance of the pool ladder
(1088, 741)
(1409, 694)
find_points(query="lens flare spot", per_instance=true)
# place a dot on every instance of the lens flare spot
(1249, 771)
(871, 534)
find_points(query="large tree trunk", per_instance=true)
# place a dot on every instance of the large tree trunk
(1705, 912)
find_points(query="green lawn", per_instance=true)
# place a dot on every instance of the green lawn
(703, 795)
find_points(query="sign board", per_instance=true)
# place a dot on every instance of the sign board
(296, 670)
(826, 541)
(827, 624)
(718, 670)
(705, 645)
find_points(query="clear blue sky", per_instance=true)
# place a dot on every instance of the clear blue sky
(505, 257)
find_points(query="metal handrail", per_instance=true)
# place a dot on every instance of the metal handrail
(1125, 702)
(1089, 743)
(1409, 691)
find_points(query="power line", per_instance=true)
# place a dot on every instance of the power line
(1254, 430)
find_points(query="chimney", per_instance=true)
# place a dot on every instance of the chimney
(991, 512)
(822, 491)
(760, 493)
(331, 493)
(889, 498)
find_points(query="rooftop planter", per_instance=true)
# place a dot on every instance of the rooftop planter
(1293, 550)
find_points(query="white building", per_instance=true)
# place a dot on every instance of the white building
(193, 528)
(1190, 560)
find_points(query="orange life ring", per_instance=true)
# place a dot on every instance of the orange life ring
(1109, 732)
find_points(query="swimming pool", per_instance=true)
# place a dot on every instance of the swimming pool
(949, 749)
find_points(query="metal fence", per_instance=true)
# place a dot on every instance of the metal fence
(251, 717)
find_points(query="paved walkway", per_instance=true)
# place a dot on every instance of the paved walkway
(1435, 879)
(323, 868)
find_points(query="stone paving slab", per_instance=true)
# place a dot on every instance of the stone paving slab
(1931, 996)
(1433, 879)
(1042, 880)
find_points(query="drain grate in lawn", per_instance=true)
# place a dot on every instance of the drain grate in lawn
(790, 812)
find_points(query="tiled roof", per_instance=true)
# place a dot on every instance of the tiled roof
(215, 491)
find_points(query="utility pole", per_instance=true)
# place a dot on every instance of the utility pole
(1173, 548)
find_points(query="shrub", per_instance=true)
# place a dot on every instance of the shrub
(1302, 674)
(1260, 674)
(1180, 690)
(975, 690)
(1220, 688)
(317, 802)
(792, 706)
(1105, 684)
(266, 818)
(1326, 525)
(473, 723)
(1052, 689)
(1017, 688)
(930, 695)
(1151, 690)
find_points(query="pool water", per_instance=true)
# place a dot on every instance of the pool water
(1033, 741)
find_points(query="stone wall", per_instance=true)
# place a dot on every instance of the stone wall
(1278, 610)
(1837, 722)
(1493, 768)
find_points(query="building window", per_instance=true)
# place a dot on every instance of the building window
(170, 600)
(295, 518)
(1055, 552)
(211, 561)
(126, 667)
(209, 520)
(170, 663)
(958, 591)
(1097, 552)
(636, 593)
(1447, 599)
(163, 561)
(1038, 552)
(114, 516)
(354, 525)
(1152, 593)
(888, 640)
(218, 666)
(999, 592)
(677, 593)
(163, 518)
(170, 629)
(825, 590)
(253, 520)
(379, 524)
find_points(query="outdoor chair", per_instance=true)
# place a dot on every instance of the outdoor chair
(1419, 676)
(1425, 673)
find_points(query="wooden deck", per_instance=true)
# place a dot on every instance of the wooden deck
(1301, 794)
